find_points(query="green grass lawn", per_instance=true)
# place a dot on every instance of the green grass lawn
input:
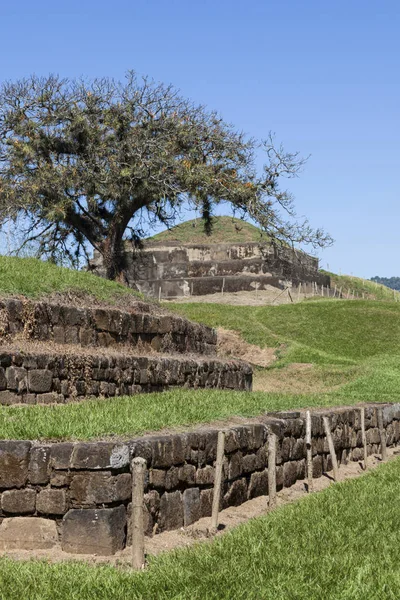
(35, 278)
(341, 544)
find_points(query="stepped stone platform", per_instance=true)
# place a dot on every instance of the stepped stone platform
(78, 494)
(173, 269)
(51, 353)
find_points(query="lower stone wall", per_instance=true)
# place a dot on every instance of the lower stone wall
(33, 378)
(81, 491)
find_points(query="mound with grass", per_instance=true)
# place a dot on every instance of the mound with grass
(224, 230)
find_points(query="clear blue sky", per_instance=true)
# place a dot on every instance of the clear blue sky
(323, 75)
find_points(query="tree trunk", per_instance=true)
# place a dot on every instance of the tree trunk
(113, 258)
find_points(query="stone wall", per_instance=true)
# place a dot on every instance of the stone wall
(83, 489)
(104, 327)
(32, 377)
(172, 269)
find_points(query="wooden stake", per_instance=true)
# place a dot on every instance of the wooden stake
(322, 290)
(218, 479)
(298, 292)
(382, 434)
(332, 452)
(159, 293)
(364, 437)
(272, 439)
(138, 479)
(310, 485)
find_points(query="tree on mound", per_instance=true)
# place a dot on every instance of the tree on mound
(85, 164)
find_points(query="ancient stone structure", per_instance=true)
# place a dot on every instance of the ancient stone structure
(79, 493)
(172, 269)
(71, 353)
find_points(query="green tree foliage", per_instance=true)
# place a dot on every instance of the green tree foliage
(85, 164)
(390, 282)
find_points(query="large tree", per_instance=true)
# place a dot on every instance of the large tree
(85, 163)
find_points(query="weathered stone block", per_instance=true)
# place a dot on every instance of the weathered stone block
(236, 494)
(40, 380)
(99, 455)
(60, 455)
(14, 459)
(94, 531)
(258, 485)
(191, 506)
(172, 478)
(235, 465)
(39, 472)
(317, 466)
(171, 511)
(89, 489)
(289, 473)
(18, 501)
(7, 398)
(27, 533)
(3, 379)
(206, 500)
(16, 378)
(205, 476)
(157, 478)
(51, 502)
(187, 474)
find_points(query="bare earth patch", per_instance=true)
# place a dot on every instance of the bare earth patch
(201, 530)
(230, 343)
(271, 295)
(300, 378)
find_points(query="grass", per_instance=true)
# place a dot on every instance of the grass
(359, 286)
(35, 278)
(342, 544)
(224, 230)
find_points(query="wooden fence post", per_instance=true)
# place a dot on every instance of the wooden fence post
(272, 439)
(310, 485)
(364, 437)
(138, 481)
(382, 434)
(218, 479)
(332, 452)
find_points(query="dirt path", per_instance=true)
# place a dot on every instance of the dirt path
(271, 295)
(200, 531)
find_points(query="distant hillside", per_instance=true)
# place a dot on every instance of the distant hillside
(361, 288)
(391, 282)
(224, 230)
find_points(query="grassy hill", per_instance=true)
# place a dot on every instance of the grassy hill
(224, 230)
(35, 278)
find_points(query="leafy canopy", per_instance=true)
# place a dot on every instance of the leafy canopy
(88, 164)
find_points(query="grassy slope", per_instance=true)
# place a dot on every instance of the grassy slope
(34, 278)
(225, 229)
(342, 544)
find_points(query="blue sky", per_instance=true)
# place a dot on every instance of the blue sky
(323, 76)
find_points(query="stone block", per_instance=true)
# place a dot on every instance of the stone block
(3, 379)
(40, 380)
(39, 472)
(60, 455)
(236, 494)
(172, 478)
(171, 511)
(18, 501)
(235, 465)
(16, 379)
(317, 466)
(100, 455)
(14, 460)
(191, 506)
(157, 478)
(51, 502)
(94, 531)
(168, 450)
(27, 533)
(187, 474)
(91, 488)
(206, 500)
(289, 473)
(258, 485)
(205, 476)
(7, 398)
